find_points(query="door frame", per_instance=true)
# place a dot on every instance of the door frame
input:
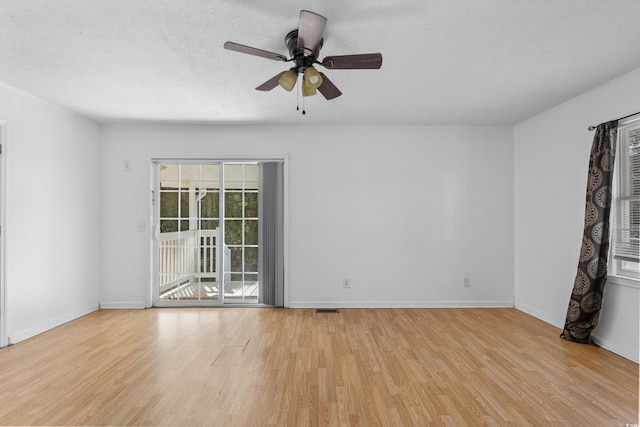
(4, 341)
(152, 297)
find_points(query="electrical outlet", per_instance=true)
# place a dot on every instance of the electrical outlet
(346, 284)
(467, 282)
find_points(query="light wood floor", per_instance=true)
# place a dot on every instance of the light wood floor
(255, 367)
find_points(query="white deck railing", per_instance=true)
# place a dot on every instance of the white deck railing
(187, 255)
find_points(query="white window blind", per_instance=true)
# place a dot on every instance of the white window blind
(626, 244)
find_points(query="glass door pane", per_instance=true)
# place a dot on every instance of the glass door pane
(189, 225)
(208, 226)
(241, 232)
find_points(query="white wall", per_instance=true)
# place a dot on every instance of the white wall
(404, 212)
(51, 214)
(551, 163)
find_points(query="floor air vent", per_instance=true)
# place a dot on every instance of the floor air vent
(327, 310)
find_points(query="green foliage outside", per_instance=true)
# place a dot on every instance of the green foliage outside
(241, 222)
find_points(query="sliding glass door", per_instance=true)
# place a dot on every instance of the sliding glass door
(207, 240)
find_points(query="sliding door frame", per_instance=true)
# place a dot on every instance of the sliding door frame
(152, 295)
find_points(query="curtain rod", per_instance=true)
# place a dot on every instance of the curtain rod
(621, 118)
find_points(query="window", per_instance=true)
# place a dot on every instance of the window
(626, 201)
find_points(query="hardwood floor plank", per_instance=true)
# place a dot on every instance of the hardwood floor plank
(275, 367)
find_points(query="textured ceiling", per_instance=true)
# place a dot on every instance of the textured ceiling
(490, 62)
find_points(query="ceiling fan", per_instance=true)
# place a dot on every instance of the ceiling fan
(304, 46)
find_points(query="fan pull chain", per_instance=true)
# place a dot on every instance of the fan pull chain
(303, 108)
(298, 98)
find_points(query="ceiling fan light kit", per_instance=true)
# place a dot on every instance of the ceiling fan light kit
(312, 77)
(304, 46)
(308, 90)
(288, 80)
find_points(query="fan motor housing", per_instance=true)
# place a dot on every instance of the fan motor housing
(302, 61)
(291, 40)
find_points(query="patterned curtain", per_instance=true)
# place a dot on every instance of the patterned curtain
(583, 313)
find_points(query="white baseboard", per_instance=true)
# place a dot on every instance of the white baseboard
(627, 353)
(617, 348)
(129, 305)
(539, 315)
(401, 304)
(23, 335)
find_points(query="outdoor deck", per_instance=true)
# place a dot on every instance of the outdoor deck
(194, 291)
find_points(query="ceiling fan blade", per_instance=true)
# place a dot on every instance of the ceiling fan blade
(254, 51)
(365, 61)
(328, 89)
(310, 31)
(271, 83)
